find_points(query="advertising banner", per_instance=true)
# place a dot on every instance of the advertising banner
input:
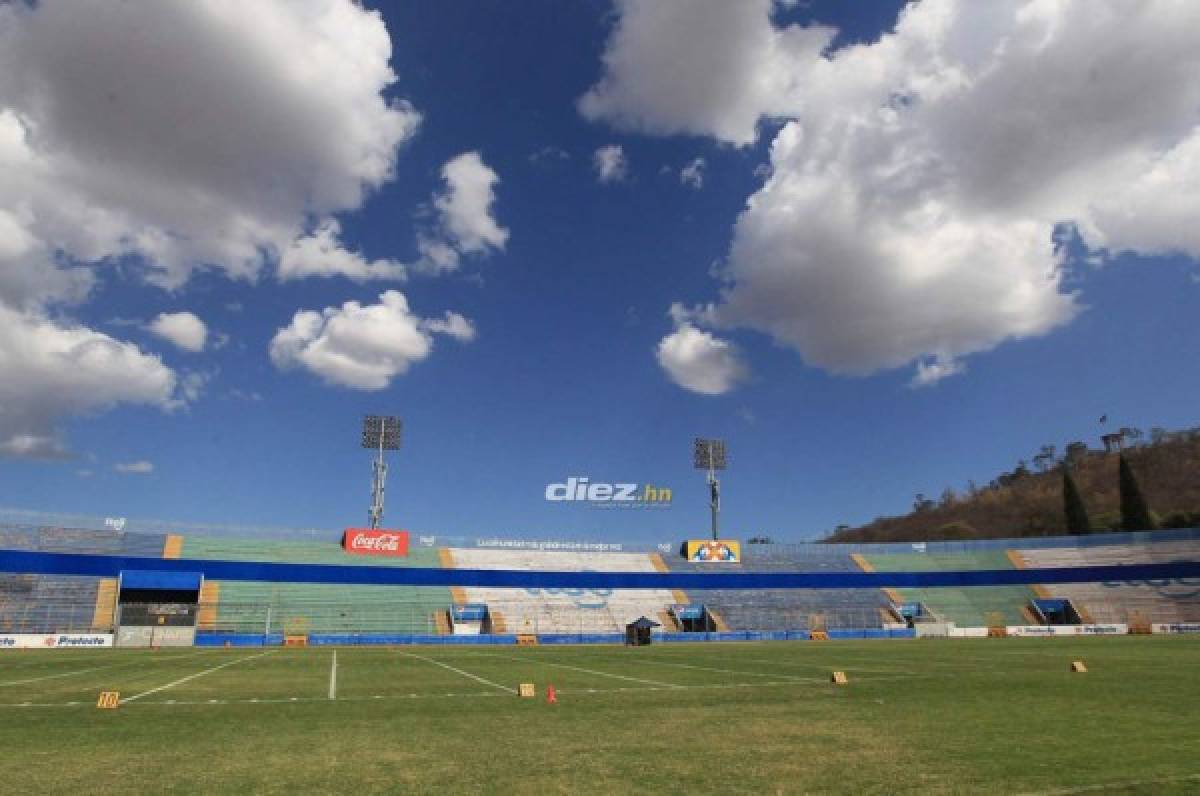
(725, 551)
(1178, 627)
(364, 542)
(1068, 630)
(28, 641)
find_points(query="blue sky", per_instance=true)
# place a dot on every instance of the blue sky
(563, 373)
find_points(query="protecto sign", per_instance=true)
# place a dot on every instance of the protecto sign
(365, 542)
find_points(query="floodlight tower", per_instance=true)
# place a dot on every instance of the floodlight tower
(709, 454)
(380, 433)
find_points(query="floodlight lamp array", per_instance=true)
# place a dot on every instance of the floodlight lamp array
(709, 454)
(381, 431)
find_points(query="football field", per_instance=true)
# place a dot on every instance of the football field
(917, 716)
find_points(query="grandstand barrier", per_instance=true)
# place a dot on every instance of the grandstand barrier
(356, 639)
(21, 561)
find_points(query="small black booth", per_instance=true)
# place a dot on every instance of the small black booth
(637, 632)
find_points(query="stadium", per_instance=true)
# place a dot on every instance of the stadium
(796, 396)
(983, 666)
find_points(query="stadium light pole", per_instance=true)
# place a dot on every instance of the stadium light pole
(709, 454)
(379, 433)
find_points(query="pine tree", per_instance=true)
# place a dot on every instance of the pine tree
(1073, 508)
(1135, 514)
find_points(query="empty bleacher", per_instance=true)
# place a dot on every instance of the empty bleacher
(976, 606)
(787, 609)
(56, 603)
(1163, 601)
(563, 610)
(314, 608)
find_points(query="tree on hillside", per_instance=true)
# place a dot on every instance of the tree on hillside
(1044, 461)
(1076, 513)
(1135, 514)
(1076, 452)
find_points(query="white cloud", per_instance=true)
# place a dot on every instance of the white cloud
(910, 208)
(692, 175)
(359, 346)
(140, 467)
(182, 329)
(195, 135)
(52, 371)
(931, 372)
(706, 67)
(610, 163)
(454, 325)
(465, 205)
(321, 253)
(697, 361)
(177, 137)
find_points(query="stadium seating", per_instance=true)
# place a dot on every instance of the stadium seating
(1150, 601)
(972, 607)
(53, 603)
(308, 608)
(564, 610)
(787, 609)
(35, 603)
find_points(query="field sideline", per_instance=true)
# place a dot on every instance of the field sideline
(987, 715)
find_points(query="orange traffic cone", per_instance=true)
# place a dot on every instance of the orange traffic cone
(551, 695)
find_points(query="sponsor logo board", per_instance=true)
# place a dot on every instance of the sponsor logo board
(364, 542)
(1177, 627)
(724, 551)
(1068, 630)
(55, 640)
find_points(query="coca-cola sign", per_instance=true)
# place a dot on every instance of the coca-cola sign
(365, 542)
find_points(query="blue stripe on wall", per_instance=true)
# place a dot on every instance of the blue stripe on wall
(110, 566)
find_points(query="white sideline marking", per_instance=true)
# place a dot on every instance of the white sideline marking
(1137, 783)
(183, 680)
(657, 683)
(333, 677)
(475, 677)
(92, 669)
(794, 683)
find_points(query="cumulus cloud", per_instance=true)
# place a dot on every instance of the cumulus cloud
(173, 137)
(610, 163)
(140, 467)
(697, 361)
(363, 347)
(52, 371)
(912, 199)
(205, 139)
(321, 253)
(692, 175)
(707, 67)
(182, 329)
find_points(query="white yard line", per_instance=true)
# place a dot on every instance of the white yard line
(92, 669)
(333, 676)
(666, 687)
(474, 677)
(586, 671)
(183, 680)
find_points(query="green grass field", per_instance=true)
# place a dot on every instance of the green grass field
(929, 716)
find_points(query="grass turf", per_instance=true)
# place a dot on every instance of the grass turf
(989, 716)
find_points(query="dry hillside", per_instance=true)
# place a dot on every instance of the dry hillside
(1027, 502)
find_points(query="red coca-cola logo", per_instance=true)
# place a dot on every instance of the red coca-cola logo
(375, 543)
